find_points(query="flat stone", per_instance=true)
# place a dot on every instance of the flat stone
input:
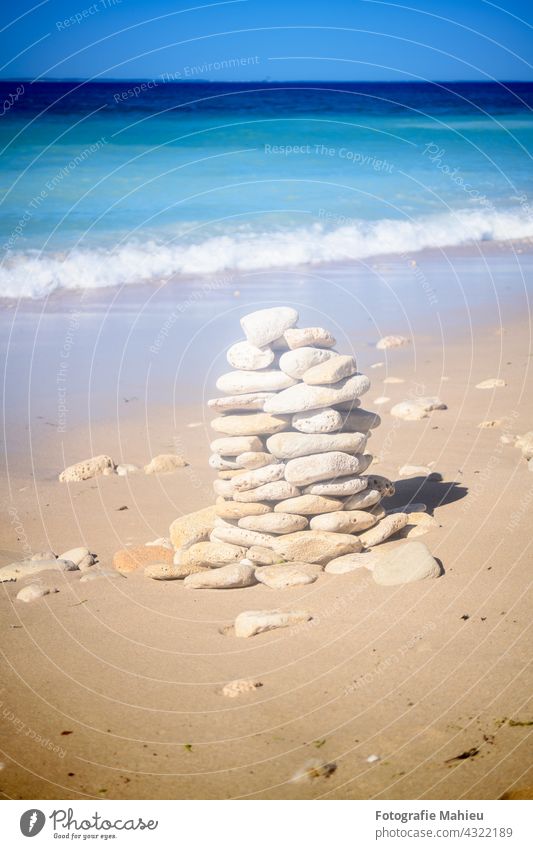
(351, 562)
(264, 326)
(315, 546)
(19, 570)
(276, 491)
(409, 470)
(342, 486)
(405, 564)
(257, 477)
(308, 505)
(392, 342)
(248, 357)
(386, 528)
(317, 467)
(236, 688)
(327, 420)
(330, 371)
(418, 525)
(381, 483)
(391, 379)
(165, 464)
(252, 622)
(250, 401)
(223, 464)
(246, 424)
(289, 575)
(417, 409)
(289, 446)
(172, 571)
(240, 536)
(263, 556)
(314, 336)
(32, 592)
(75, 555)
(491, 383)
(87, 469)
(296, 363)
(300, 398)
(193, 527)
(256, 459)
(212, 554)
(360, 420)
(130, 559)
(236, 510)
(274, 523)
(363, 500)
(244, 382)
(226, 578)
(343, 521)
(232, 446)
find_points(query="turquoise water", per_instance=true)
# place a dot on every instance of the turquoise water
(103, 184)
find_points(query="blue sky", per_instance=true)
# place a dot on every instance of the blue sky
(258, 40)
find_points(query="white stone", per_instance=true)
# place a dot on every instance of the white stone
(331, 371)
(274, 523)
(351, 562)
(87, 469)
(20, 570)
(377, 365)
(300, 398)
(491, 383)
(408, 470)
(232, 446)
(525, 444)
(227, 577)
(338, 486)
(32, 592)
(405, 564)
(212, 554)
(262, 556)
(284, 576)
(252, 622)
(256, 459)
(288, 446)
(343, 521)
(240, 537)
(318, 467)
(245, 382)
(418, 525)
(308, 505)
(75, 555)
(248, 402)
(296, 363)
(391, 342)
(417, 409)
(363, 500)
(43, 555)
(315, 546)
(224, 488)
(264, 326)
(276, 491)
(249, 357)
(234, 510)
(124, 469)
(236, 688)
(306, 336)
(248, 424)
(164, 464)
(381, 399)
(257, 477)
(393, 380)
(327, 420)
(386, 528)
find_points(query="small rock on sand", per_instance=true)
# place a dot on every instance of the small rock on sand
(381, 399)
(265, 326)
(253, 622)
(32, 592)
(391, 342)
(18, 571)
(491, 383)
(124, 469)
(407, 471)
(417, 409)
(75, 555)
(130, 559)
(164, 464)
(212, 554)
(171, 571)
(87, 469)
(239, 687)
(44, 555)
(525, 444)
(288, 575)
(351, 562)
(405, 564)
(233, 576)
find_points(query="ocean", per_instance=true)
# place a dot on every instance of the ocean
(122, 182)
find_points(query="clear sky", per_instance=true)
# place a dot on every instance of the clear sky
(267, 39)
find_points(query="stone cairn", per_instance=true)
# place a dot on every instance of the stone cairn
(291, 462)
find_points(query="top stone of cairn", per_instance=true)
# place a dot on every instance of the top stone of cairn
(265, 326)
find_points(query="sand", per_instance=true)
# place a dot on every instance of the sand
(113, 689)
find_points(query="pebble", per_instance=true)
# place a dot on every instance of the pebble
(18, 571)
(193, 527)
(263, 556)
(351, 562)
(405, 564)
(238, 687)
(331, 371)
(388, 526)
(315, 546)
(32, 592)
(391, 342)
(338, 486)
(417, 409)
(525, 444)
(86, 562)
(317, 467)
(212, 554)
(491, 383)
(124, 469)
(256, 459)
(164, 464)
(393, 380)
(237, 510)
(130, 559)
(407, 471)
(372, 759)
(247, 424)
(314, 336)
(244, 382)
(252, 622)
(240, 536)
(265, 326)
(363, 500)
(169, 571)
(296, 363)
(360, 420)
(381, 399)
(308, 505)
(289, 575)
(246, 356)
(232, 446)
(228, 577)
(418, 525)
(276, 491)
(491, 423)
(223, 464)
(257, 477)
(322, 421)
(240, 403)
(87, 469)
(343, 521)
(377, 365)
(274, 523)
(289, 446)
(43, 555)
(300, 398)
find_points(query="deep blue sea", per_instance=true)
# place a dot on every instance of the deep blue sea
(121, 182)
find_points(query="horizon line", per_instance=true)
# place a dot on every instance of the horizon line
(260, 82)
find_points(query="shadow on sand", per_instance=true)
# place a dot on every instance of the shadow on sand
(431, 490)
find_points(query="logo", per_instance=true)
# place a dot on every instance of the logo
(32, 822)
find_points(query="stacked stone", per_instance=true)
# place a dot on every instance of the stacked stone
(291, 447)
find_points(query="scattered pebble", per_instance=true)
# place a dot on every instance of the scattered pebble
(87, 469)
(405, 564)
(377, 365)
(253, 622)
(491, 383)
(382, 399)
(372, 759)
(164, 464)
(236, 688)
(392, 342)
(491, 423)
(417, 409)
(393, 380)
(18, 571)
(312, 770)
(32, 592)
(407, 470)
(124, 469)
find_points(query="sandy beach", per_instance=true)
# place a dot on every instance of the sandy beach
(113, 688)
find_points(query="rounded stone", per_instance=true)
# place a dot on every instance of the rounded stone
(165, 464)
(351, 562)
(257, 477)
(315, 546)
(284, 576)
(314, 336)
(252, 622)
(317, 467)
(382, 484)
(240, 403)
(330, 371)
(223, 464)
(32, 592)
(264, 326)
(274, 523)
(275, 491)
(263, 556)
(256, 459)
(386, 528)
(327, 420)
(233, 576)
(405, 564)
(75, 555)
(87, 469)
(239, 537)
(232, 446)
(300, 398)
(338, 486)
(244, 382)
(246, 424)
(362, 500)
(343, 521)
(308, 505)
(296, 363)
(248, 357)
(235, 510)
(212, 554)
(360, 420)
(391, 342)
(288, 446)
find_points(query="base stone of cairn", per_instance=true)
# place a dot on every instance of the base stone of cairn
(293, 482)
